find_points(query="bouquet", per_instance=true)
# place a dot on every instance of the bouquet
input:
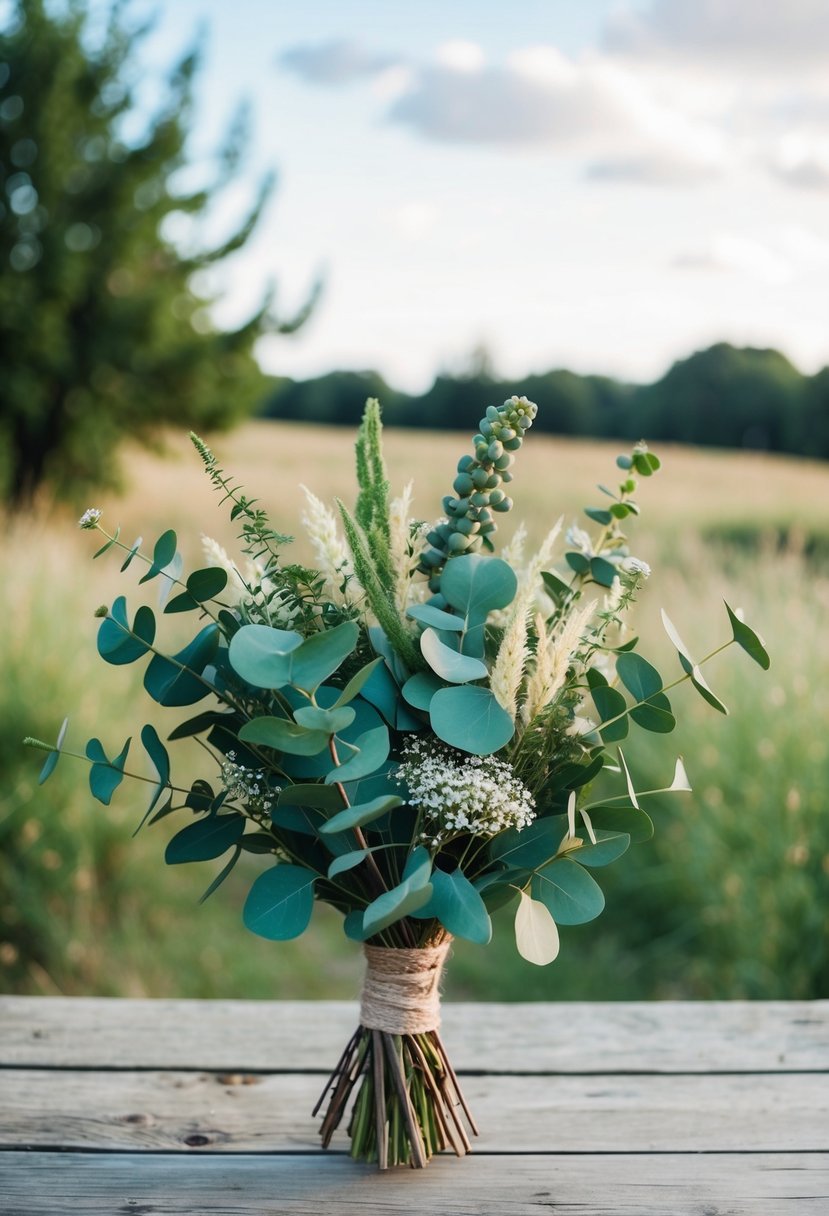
(410, 732)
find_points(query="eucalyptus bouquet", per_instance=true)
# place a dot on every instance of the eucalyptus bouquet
(408, 732)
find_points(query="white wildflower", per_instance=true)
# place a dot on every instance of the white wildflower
(330, 549)
(90, 517)
(553, 658)
(513, 552)
(236, 589)
(544, 557)
(579, 539)
(455, 793)
(248, 785)
(508, 669)
(636, 567)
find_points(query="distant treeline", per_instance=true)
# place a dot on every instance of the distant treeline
(722, 397)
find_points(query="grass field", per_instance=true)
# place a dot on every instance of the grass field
(730, 899)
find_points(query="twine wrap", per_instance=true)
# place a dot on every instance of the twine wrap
(401, 989)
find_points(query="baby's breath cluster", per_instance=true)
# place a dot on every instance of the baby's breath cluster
(248, 785)
(460, 793)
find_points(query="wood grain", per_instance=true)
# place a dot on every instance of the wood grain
(51, 1184)
(662, 1037)
(192, 1111)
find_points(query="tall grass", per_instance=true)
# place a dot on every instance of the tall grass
(729, 899)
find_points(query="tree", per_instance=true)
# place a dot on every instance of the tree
(102, 331)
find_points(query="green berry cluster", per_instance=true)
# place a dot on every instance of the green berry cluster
(477, 487)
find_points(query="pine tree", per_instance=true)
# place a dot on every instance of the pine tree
(102, 334)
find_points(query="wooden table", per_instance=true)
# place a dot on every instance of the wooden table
(139, 1108)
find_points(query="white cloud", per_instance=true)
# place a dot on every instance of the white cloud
(768, 32)
(336, 62)
(729, 251)
(460, 56)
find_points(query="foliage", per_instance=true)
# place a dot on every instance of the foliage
(103, 315)
(722, 396)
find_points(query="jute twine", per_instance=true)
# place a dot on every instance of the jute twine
(401, 989)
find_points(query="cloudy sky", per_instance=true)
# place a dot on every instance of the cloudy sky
(575, 183)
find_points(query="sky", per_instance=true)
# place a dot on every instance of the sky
(569, 183)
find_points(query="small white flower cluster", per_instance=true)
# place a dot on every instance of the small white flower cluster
(459, 793)
(249, 785)
(90, 517)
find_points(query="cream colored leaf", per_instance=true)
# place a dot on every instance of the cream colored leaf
(680, 781)
(536, 933)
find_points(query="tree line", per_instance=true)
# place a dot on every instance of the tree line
(723, 396)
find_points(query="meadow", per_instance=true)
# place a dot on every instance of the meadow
(728, 900)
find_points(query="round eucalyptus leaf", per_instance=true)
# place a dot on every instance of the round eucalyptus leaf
(571, 895)
(262, 656)
(476, 585)
(280, 903)
(471, 719)
(448, 663)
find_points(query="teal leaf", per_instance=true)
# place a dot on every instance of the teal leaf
(312, 717)
(306, 820)
(105, 548)
(320, 655)
(577, 562)
(471, 719)
(427, 614)
(602, 571)
(205, 839)
(750, 642)
(362, 813)
(353, 926)
(701, 685)
(610, 704)
(280, 903)
(284, 736)
(458, 907)
(373, 751)
(175, 681)
(555, 587)
(128, 559)
(116, 643)
(530, 847)
(420, 688)
(51, 761)
(262, 656)
(105, 775)
(448, 663)
(401, 901)
(654, 715)
(222, 875)
(608, 847)
(599, 515)
(571, 895)
(356, 683)
(202, 722)
(382, 691)
(672, 633)
(477, 585)
(163, 554)
(160, 761)
(639, 677)
(347, 861)
(206, 584)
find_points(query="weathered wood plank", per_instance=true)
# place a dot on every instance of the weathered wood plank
(38, 1184)
(192, 1111)
(665, 1037)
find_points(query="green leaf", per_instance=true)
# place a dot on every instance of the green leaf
(633, 822)
(477, 585)
(598, 515)
(328, 720)
(420, 688)
(128, 559)
(427, 614)
(448, 663)
(672, 633)
(105, 775)
(700, 684)
(458, 907)
(578, 562)
(356, 683)
(357, 816)
(163, 554)
(401, 901)
(555, 587)
(108, 545)
(382, 691)
(608, 847)
(205, 839)
(639, 677)
(320, 655)
(570, 894)
(280, 903)
(536, 934)
(322, 797)
(751, 642)
(262, 656)
(529, 847)
(222, 875)
(373, 751)
(609, 704)
(471, 719)
(602, 571)
(347, 861)
(160, 761)
(202, 722)
(284, 736)
(175, 681)
(206, 584)
(353, 926)
(654, 715)
(116, 643)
